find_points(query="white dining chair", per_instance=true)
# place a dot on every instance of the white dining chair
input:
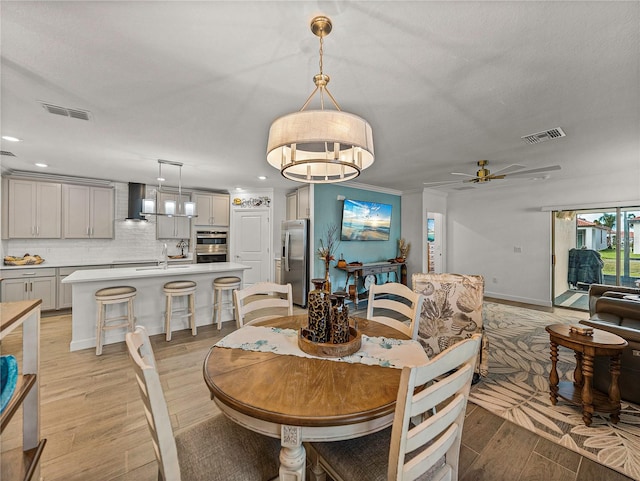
(427, 450)
(262, 301)
(217, 449)
(399, 299)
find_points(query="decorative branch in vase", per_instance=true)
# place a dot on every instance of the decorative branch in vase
(327, 249)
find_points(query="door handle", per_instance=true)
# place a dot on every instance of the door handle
(31, 286)
(25, 287)
(287, 239)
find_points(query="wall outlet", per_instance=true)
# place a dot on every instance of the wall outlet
(517, 249)
(494, 280)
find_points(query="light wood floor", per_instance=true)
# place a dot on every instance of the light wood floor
(93, 420)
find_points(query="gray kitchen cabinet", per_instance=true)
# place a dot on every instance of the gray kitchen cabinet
(292, 205)
(64, 290)
(303, 207)
(172, 227)
(88, 212)
(27, 284)
(212, 209)
(35, 209)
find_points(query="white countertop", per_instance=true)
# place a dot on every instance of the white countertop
(84, 263)
(91, 275)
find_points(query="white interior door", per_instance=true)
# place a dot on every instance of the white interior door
(251, 239)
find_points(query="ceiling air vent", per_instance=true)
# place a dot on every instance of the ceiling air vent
(544, 136)
(7, 153)
(66, 112)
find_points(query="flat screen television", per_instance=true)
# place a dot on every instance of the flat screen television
(365, 221)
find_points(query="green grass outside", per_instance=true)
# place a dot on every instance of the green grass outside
(611, 254)
(609, 258)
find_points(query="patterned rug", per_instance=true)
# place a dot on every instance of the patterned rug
(517, 389)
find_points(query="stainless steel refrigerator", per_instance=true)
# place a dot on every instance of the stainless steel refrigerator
(295, 258)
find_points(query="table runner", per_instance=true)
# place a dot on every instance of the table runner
(375, 351)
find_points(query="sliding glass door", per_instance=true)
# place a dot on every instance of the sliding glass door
(594, 246)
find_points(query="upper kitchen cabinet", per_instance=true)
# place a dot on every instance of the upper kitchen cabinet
(34, 209)
(88, 212)
(212, 209)
(292, 205)
(172, 227)
(304, 210)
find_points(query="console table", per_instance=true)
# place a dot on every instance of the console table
(373, 268)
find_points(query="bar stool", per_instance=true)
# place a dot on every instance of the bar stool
(113, 295)
(220, 286)
(176, 289)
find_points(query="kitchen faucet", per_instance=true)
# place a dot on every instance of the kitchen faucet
(165, 259)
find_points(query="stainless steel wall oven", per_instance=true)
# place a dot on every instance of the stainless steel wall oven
(211, 246)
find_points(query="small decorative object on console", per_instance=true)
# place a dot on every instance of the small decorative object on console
(583, 330)
(403, 248)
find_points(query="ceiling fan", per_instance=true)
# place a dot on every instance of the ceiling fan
(483, 174)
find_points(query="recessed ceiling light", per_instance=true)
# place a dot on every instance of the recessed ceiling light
(238, 189)
(40, 164)
(11, 139)
(262, 177)
(160, 179)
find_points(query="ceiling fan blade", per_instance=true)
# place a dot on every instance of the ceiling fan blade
(508, 168)
(443, 182)
(494, 177)
(462, 173)
(536, 171)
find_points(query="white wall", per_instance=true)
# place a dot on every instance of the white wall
(411, 230)
(486, 224)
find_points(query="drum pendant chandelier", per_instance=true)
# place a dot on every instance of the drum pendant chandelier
(320, 146)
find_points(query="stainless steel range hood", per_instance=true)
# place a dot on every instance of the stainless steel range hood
(136, 194)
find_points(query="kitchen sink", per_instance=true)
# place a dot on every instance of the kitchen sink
(157, 268)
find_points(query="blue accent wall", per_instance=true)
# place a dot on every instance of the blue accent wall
(328, 210)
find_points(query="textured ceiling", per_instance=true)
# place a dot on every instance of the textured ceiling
(443, 84)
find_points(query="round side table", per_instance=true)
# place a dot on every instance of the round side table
(581, 392)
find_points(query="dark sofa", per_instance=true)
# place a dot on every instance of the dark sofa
(621, 317)
(596, 291)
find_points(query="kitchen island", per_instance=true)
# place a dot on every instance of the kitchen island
(149, 301)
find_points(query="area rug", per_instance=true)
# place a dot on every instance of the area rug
(517, 389)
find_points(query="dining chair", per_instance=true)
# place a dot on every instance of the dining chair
(262, 301)
(427, 450)
(403, 301)
(217, 449)
(451, 312)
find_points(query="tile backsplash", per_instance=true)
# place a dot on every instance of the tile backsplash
(132, 241)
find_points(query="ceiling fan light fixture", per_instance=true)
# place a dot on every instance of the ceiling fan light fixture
(320, 146)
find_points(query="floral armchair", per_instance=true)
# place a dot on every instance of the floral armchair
(451, 312)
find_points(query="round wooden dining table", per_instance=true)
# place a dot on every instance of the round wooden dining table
(300, 399)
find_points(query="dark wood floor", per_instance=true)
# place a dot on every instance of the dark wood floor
(94, 423)
(496, 449)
